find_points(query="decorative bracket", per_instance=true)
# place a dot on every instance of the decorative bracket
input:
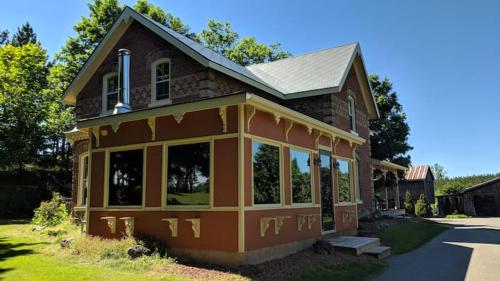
(172, 224)
(223, 117)
(152, 126)
(115, 127)
(277, 118)
(288, 127)
(311, 219)
(178, 117)
(317, 134)
(301, 220)
(250, 112)
(279, 223)
(264, 225)
(354, 147)
(309, 130)
(129, 225)
(111, 223)
(104, 133)
(195, 225)
(335, 142)
(95, 132)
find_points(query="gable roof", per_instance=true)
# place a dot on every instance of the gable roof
(483, 184)
(417, 173)
(307, 75)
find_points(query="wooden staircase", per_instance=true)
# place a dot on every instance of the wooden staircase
(360, 246)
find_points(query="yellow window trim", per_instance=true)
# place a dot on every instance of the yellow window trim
(349, 165)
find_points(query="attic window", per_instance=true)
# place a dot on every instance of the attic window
(160, 81)
(351, 112)
(109, 91)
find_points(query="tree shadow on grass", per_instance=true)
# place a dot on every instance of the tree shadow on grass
(10, 250)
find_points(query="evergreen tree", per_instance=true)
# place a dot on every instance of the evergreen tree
(24, 35)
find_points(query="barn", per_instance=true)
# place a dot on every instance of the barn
(418, 180)
(481, 200)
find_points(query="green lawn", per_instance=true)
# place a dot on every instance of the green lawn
(406, 236)
(21, 259)
(358, 271)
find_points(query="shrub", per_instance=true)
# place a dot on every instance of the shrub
(408, 203)
(422, 208)
(156, 246)
(51, 213)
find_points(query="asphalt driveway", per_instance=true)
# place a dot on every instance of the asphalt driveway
(469, 250)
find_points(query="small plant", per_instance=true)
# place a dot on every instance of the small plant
(51, 213)
(408, 203)
(457, 216)
(422, 208)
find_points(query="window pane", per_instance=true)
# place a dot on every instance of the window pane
(113, 84)
(188, 181)
(85, 179)
(266, 173)
(125, 177)
(111, 101)
(162, 90)
(344, 181)
(162, 72)
(301, 177)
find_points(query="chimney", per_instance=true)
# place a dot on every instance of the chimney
(123, 104)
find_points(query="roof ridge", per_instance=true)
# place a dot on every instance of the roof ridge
(304, 54)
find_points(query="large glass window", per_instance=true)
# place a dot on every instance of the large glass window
(266, 173)
(110, 94)
(188, 181)
(84, 177)
(344, 180)
(301, 176)
(125, 177)
(161, 80)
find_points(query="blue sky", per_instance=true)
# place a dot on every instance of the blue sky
(442, 56)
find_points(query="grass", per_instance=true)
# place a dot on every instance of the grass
(195, 198)
(407, 236)
(457, 216)
(358, 271)
(35, 255)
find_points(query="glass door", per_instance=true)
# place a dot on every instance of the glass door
(326, 185)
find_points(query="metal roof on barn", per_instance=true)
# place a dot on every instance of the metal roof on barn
(417, 173)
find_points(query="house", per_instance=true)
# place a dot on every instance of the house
(386, 184)
(418, 180)
(479, 200)
(226, 164)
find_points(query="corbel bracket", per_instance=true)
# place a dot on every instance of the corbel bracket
(195, 225)
(152, 126)
(129, 225)
(288, 127)
(178, 117)
(250, 113)
(172, 224)
(279, 223)
(111, 221)
(264, 225)
(223, 117)
(95, 132)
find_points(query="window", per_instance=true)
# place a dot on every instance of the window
(266, 173)
(351, 112)
(160, 80)
(344, 181)
(125, 178)
(84, 180)
(301, 176)
(109, 91)
(188, 174)
(356, 181)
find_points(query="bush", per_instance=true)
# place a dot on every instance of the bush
(422, 208)
(408, 203)
(51, 213)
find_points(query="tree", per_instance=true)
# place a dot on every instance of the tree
(408, 203)
(422, 208)
(438, 171)
(24, 35)
(220, 37)
(23, 72)
(389, 140)
(4, 37)
(159, 15)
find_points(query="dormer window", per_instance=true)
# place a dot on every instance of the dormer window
(160, 81)
(109, 91)
(351, 112)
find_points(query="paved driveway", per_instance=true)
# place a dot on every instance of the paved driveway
(470, 250)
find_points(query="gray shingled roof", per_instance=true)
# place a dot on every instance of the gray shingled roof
(313, 71)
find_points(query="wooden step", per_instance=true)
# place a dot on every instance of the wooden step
(354, 245)
(380, 252)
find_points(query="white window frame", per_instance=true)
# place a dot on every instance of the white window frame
(81, 170)
(280, 160)
(154, 101)
(351, 113)
(105, 93)
(311, 163)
